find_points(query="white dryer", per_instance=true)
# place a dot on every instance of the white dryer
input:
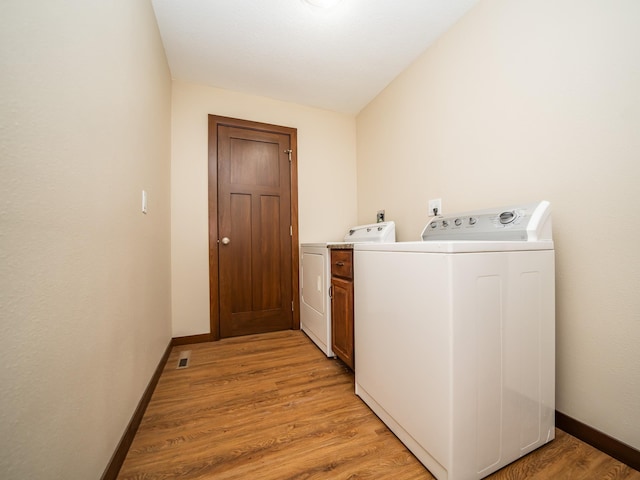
(455, 338)
(315, 280)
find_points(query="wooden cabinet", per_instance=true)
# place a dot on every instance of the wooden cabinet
(342, 305)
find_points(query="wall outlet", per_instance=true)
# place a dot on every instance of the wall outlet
(380, 216)
(435, 207)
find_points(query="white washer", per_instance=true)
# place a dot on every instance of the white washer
(315, 280)
(455, 338)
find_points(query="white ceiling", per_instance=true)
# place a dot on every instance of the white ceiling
(338, 59)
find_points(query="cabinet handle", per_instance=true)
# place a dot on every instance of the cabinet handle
(340, 264)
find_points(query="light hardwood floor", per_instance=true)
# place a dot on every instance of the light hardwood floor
(273, 407)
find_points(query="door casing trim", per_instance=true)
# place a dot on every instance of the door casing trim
(214, 122)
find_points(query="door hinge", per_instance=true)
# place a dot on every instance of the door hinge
(291, 230)
(289, 152)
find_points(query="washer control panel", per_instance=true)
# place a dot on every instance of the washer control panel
(524, 223)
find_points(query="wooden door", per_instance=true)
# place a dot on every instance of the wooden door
(254, 239)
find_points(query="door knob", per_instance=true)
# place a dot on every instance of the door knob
(225, 240)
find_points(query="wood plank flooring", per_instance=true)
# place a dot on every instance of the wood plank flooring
(273, 407)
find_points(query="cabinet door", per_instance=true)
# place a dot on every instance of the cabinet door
(342, 319)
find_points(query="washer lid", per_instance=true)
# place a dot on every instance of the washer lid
(525, 223)
(459, 246)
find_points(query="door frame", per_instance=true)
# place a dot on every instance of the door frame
(214, 122)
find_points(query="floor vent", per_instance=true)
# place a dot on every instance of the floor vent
(183, 361)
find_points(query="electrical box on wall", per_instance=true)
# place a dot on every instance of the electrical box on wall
(380, 216)
(435, 207)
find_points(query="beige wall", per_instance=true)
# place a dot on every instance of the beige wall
(520, 101)
(326, 184)
(84, 275)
